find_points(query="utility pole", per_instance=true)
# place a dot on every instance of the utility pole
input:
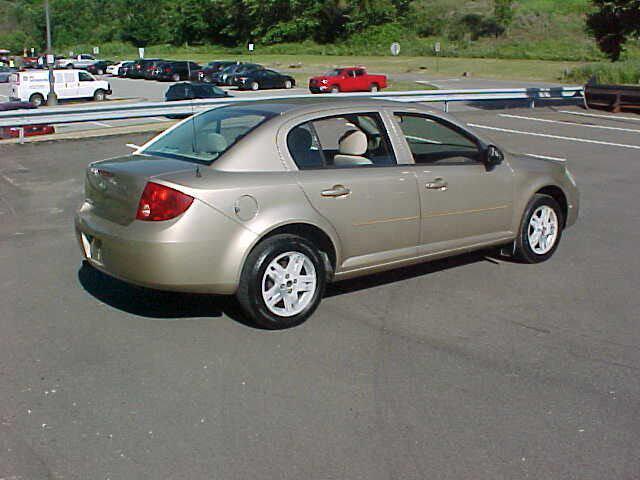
(52, 98)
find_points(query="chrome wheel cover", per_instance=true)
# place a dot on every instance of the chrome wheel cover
(542, 231)
(289, 284)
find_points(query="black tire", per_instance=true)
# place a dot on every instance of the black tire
(523, 249)
(99, 72)
(70, 66)
(254, 86)
(288, 84)
(36, 100)
(100, 95)
(374, 87)
(250, 289)
(335, 89)
(175, 77)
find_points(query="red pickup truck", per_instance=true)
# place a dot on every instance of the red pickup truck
(352, 79)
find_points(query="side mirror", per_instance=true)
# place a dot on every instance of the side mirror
(493, 156)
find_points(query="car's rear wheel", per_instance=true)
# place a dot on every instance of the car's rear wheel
(175, 77)
(255, 86)
(374, 88)
(288, 84)
(99, 71)
(36, 99)
(100, 95)
(282, 282)
(540, 230)
(335, 89)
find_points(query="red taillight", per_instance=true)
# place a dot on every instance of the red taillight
(161, 203)
(167, 70)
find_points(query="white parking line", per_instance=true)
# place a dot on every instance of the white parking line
(102, 124)
(160, 119)
(557, 137)
(610, 117)
(545, 157)
(546, 120)
(4, 96)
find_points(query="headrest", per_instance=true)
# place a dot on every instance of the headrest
(353, 142)
(212, 143)
(299, 139)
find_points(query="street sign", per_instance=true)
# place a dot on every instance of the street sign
(141, 52)
(96, 50)
(50, 59)
(436, 47)
(395, 49)
(32, 51)
(251, 47)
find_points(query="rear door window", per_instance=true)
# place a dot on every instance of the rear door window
(344, 141)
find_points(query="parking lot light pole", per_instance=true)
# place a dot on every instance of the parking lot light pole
(52, 98)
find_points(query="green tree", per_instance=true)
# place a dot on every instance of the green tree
(503, 13)
(613, 23)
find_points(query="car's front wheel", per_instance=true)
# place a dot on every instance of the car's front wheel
(255, 86)
(282, 282)
(540, 230)
(288, 84)
(36, 99)
(100, 95)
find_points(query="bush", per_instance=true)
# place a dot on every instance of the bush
(619, 73)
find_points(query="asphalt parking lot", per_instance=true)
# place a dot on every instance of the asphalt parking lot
(469, 368)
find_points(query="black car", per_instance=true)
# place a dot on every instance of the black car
(193, 90)
(124, 69)
(175, 70)
(151, 69)
(227, 76)
(140, 66)
(259, 79)
(242, 71)
(98, 67)
(207, 73)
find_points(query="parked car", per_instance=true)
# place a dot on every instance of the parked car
(16, 105)
(139, 67)
(5, 72)
(33, 86)
(352, 79)
(123, 70)
(261, 79)
(176, 70)
(81, 61)
(207, 73)
(99, 67)
(233, 79)
(151, 70)
(193, 90)
(285, 196)
(27, 131)
(112, 69)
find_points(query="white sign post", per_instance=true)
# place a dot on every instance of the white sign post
(96, 50)
(251, 47)
(141, 52)
(436, 48)
(395, 49)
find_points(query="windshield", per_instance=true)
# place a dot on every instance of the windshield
(203, 138)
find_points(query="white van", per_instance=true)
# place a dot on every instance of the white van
(33, 86)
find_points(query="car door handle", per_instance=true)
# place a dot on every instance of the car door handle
(336, 191)
(437, 184)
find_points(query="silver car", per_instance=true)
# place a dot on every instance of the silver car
(270, 200)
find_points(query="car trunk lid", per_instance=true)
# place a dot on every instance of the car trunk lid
(113, 187)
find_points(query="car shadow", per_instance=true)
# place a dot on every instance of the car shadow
(158, 304)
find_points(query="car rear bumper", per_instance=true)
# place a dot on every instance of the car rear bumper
(201, 251)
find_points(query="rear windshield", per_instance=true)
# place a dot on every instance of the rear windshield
(205, 137)
(334, 73)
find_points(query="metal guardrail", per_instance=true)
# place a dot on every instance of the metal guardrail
(101, 112)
